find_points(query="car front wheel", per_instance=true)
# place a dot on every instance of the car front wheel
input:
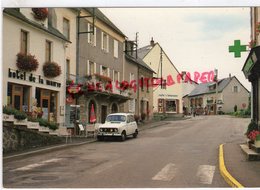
(123, 136)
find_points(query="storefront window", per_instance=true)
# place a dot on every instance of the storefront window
(18, 97)
(47, 100)
(171, 106)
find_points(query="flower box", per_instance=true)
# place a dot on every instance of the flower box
(20, 122)
(44, 129)
(33, 125)
(51, 69)
(26, 62)
(40, 13)
(9, 118)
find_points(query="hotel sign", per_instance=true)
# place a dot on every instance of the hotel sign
(21, 75)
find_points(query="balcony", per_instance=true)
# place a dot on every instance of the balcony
(99, 85)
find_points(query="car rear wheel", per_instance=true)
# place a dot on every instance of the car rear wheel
(135, 134)
(123, 136)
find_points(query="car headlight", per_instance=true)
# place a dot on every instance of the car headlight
(116, 130)
(100, 129)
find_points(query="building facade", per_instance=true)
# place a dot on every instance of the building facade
(251, 67)
(31, 47)
(212, 98)
(138, 74)
(167, 93)
(100, 66)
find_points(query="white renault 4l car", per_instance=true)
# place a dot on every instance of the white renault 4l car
(118, 125)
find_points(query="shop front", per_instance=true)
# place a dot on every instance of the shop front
(33, 93)
(251, 71)
(168, 105)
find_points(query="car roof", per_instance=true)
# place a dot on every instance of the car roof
(121, 114)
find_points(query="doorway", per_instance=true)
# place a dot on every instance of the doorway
(45, 103)
(103, 113)
(18, 97)
(114, 108)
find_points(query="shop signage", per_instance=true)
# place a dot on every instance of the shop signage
(21, 75)
(74, 89)
(248, 67)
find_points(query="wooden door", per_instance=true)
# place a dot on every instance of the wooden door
(17, 97)
(45, 104)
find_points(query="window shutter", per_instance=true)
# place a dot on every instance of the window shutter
(100, 69)
(107, 43)
(89, 35)
(108, 72)
(88, 67)
(102, 44)
(113, 75)
(95, 67)
(238, 88)
(95, 36)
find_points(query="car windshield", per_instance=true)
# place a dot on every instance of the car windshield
(116, 118)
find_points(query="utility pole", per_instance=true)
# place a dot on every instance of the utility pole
(161, 68)
(216, 80)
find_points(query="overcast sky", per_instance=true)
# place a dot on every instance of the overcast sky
(195, 39)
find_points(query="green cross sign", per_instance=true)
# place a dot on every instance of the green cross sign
(237, 48)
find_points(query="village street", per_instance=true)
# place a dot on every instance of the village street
(180, 154)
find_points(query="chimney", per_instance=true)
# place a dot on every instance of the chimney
(229, 75)
(152, 42)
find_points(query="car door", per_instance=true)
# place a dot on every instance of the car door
(132, 124)
(128, 125)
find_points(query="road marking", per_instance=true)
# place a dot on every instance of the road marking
(206, 173)
(32, 166)
(167, 173)
(106, 166)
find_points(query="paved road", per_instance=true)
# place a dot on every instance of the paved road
(180, 154)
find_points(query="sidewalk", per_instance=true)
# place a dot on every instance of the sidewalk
(74, 141)
(247, 173)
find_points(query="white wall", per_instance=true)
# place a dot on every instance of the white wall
(11, 47)
(71, 47)
(171, 92)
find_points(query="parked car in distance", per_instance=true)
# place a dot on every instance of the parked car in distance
(118, 125)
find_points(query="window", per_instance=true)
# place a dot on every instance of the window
(24, 42)
(105, 40)
(132, 77)
(164, 82)
(104, 71)
(235, 89)
(91, 68)
(66, 28)
(171, 106)
(115, 48)
(116, 76)
(131, 105)
(48, 50)
(91, 36)
(67, 69)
